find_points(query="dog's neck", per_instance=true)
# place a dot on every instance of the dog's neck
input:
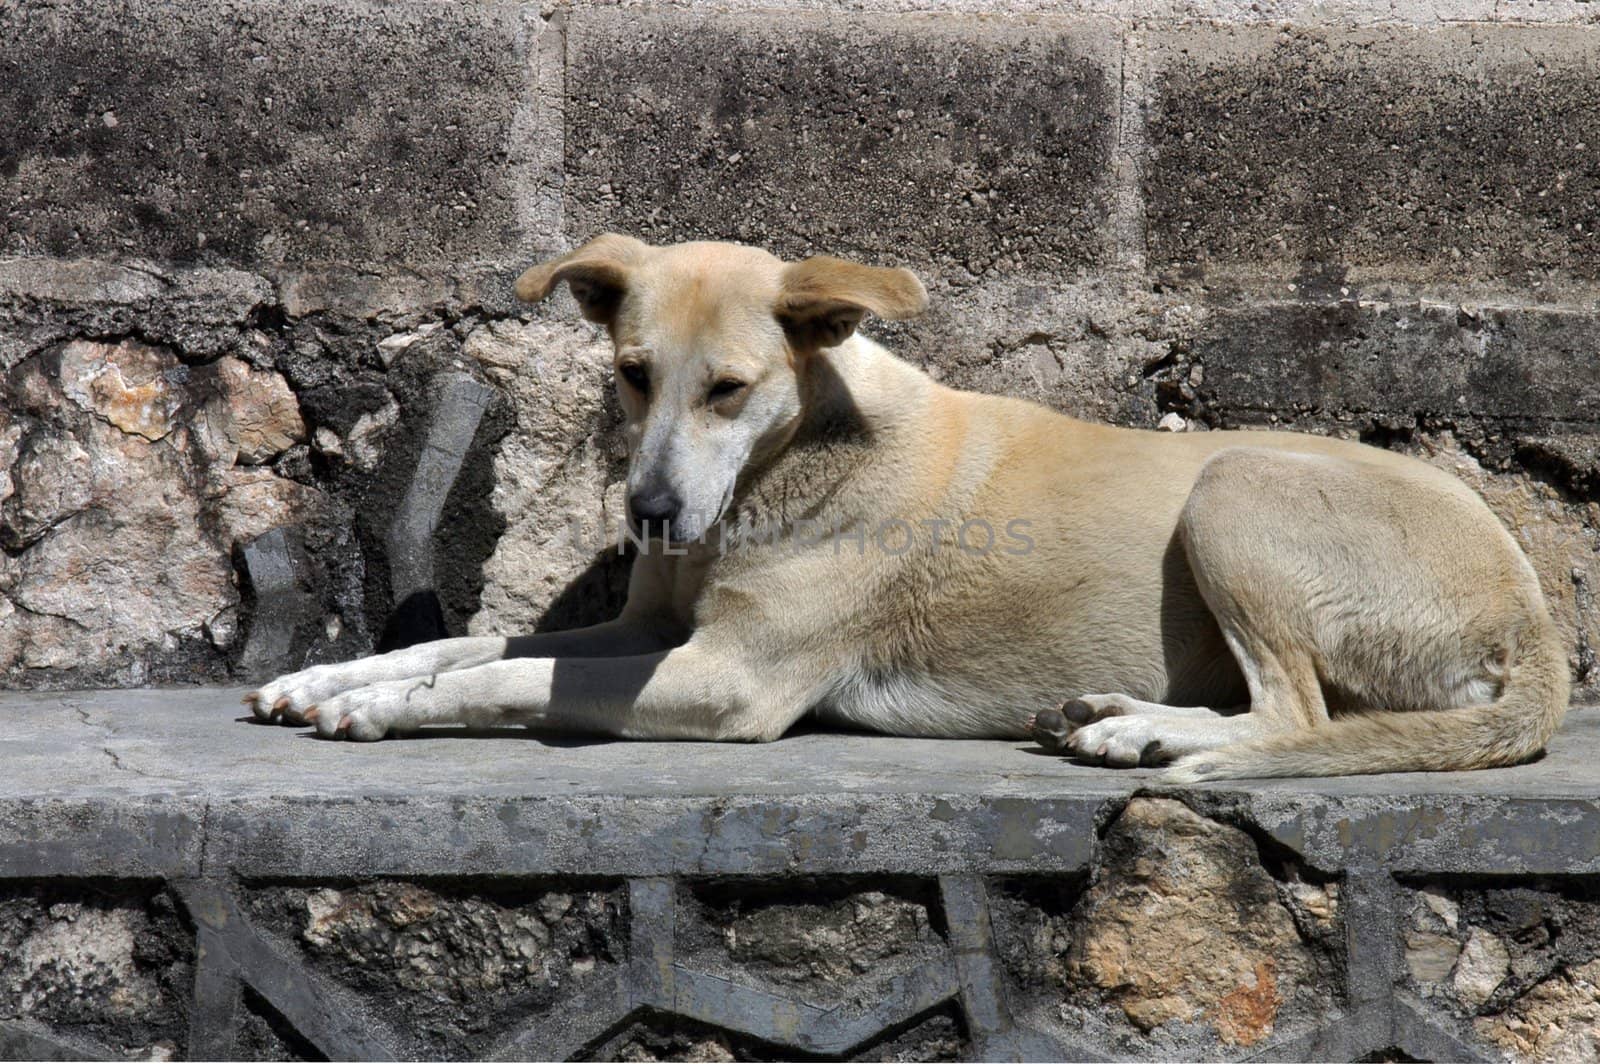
(824, 472)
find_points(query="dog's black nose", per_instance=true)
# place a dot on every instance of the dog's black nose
(657, 507)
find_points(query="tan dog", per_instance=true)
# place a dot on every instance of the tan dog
(845, 537)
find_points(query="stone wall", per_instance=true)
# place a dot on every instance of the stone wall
(268, 399)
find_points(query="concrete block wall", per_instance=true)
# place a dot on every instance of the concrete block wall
(268, 399)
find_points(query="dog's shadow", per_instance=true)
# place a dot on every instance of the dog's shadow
(551, 739)
(560, 742)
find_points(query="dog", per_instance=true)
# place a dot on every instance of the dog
(823, 529)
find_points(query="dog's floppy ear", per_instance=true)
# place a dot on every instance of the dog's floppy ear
(597, 273)
(823, 298)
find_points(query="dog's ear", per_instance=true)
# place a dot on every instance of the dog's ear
(597, 273)
(822, 299)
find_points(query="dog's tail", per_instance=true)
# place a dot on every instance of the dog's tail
(1508, 731)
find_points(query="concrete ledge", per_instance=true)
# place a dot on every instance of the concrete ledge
(197, 789)
(830, 895)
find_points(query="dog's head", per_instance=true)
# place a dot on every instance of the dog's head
(713, 343)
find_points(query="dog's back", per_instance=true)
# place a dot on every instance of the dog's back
(1065, 565)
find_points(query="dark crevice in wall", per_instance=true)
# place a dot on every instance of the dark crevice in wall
(265, 1035)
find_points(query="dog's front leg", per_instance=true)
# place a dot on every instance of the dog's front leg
(690, 692)
(288, 697)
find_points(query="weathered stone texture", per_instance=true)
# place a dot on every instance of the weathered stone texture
(264, 1035)
(438, 898)
(831, 939)
(122, 499)
(936, 1038)
(1089, 350)
(260, 133)
(456, 964)
(984, 147)
(1522, 963)
(1558, 1020)
(113, 967)
(200, 416)
(202, 311)
(1397, 153)
(558, 477)
(1183, 926)
(1520, 368)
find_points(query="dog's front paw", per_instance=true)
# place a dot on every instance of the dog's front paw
(1051, 729)
(365, 714)
(287, 698)
(1121, 742)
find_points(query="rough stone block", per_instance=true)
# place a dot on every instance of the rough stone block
(205, 312)
(1454, 153)
(1520, 964)
(120, 500)
(257, 133)
(113, 967)
(1090, 350)
(265, 1035)
(827, 937)
(558, 479)
(1523, 367)
(978, 145)
(1186, 936)
(460, 965)
(448, 897)
(937, 1037)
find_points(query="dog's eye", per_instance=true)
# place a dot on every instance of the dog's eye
(724, 388)
(636, 376)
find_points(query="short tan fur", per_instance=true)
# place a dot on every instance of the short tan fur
(1230, 604)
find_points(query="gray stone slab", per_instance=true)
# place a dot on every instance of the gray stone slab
(979, 145)
(1463, 151)
(260, 133)
(138, 782)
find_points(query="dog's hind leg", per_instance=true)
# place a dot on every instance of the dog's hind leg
(1259, 564)
(1391, 587)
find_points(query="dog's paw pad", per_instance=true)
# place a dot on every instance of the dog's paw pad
(1051, 729)
(1091, 709)
(1077, 712)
